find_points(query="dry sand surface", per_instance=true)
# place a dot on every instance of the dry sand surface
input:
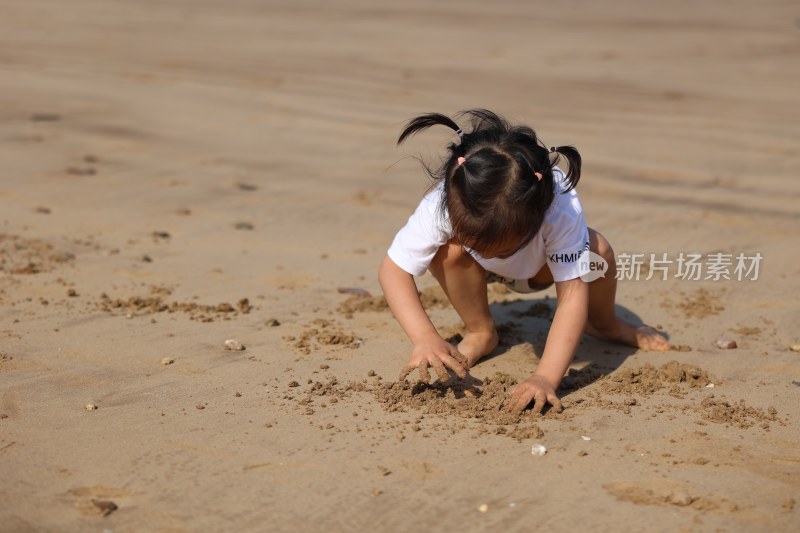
(176, 174)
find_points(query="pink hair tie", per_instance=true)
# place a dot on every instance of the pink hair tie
(462, 160)
(538, 175)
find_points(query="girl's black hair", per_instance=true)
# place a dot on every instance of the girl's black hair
(495, 194)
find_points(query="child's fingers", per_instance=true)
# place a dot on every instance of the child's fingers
(441, 371)
(555, 402)
(539, 401)
(423, 372)
(462, 360)
(454, 364)
(518, 401)
(405, 372)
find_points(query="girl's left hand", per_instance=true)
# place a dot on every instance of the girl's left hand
(536, 389)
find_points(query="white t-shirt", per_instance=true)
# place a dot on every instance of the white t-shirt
(560, 242)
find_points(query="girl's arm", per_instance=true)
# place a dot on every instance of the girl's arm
(430, 349)
(562, 342)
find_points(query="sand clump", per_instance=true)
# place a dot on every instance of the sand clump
(646, 380)
(482, 404)
(322, 332)
(479, 408)
(737, 414)
(156, 302)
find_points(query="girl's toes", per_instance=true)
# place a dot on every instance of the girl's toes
(649, 339)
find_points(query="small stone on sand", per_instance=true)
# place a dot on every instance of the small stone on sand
(726, 344)
(483, 508)
(106, 506)
(167, 361)
(90, 407)
(538, 449)
(795, 347)
(272, 322)
(234, 345)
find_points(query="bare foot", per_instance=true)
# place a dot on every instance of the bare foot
(642, 337)
(476, 345)
(649, 339)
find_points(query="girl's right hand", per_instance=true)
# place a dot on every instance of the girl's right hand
(439, 354)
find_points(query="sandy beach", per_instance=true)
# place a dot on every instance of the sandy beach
(183, 173)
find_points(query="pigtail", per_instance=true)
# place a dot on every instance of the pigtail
(424, 122)
(573, 160)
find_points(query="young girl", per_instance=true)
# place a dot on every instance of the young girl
(501, 210)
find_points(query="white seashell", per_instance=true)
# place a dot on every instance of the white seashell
(538, 449)
(233, 344)
(584, 437)
(483, 508)
(710, 386)
(726, 344)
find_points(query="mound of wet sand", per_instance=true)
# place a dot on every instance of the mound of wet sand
(647, 379)
(321, 332)
(737, 414)
(479, 408)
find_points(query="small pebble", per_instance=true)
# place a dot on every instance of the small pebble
(538, 449)
(710, 386)
(106, 506)
(726, 344)
(272, 322)
(200, 406)
(795, 347)
(483, 508)
(161, 234)
(72, 293)
(234, 345)
(244, 226)
(584, 437)
(238, 394)
(90, 407)
(167, 361)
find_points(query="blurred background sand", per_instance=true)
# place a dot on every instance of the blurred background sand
(162, 159)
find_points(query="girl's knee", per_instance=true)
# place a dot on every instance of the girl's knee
(600, 245)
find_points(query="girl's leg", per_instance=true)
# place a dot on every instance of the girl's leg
(464, 282)
(603, 320)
